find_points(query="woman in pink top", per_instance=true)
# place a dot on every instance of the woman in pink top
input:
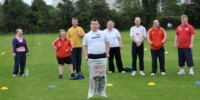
(20, 50)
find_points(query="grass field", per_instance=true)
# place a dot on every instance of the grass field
(43, 71)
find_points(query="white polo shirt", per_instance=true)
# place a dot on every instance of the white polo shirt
(113, 36)
(96, 42)
(138, 33)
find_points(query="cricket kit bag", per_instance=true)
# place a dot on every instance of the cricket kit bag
(98, 79)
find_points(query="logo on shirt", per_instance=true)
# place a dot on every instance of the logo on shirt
(97, 36)
(186, 29)
(137, 34)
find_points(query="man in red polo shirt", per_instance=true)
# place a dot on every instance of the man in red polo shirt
(184, 39)
(156, 38)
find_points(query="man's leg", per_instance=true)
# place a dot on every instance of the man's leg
(161, 57)
(78, 60)
(189, 60)
(134, 56)
(111, 66)
(154, 61)
(181, 60)
(74, 54)
(141, 57)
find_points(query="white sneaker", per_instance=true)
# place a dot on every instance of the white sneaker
(133, 73)
(163, 73)
(181, 72)
(110, 72)
(123, 72)
(14, 75)
(152, 74)
(142, 73)
(191, 72)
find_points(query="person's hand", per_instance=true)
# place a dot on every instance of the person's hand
(107, 55)
(67, 50)
(175, 46)
(86, 58)
(138, 44)
(28, 54)
(191, 46)
(79, 34)
(55, 47)
(14, 55)
(163, 41)
(121, 47)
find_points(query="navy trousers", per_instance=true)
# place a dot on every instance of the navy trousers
(185, 55)
(76, 59)
(20, 61)
(160, 54)
(137, 51)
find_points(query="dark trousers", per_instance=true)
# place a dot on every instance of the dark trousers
(140, 52)
(185, 54)
(76, 59)
(160, 54)
(115, 52)
(20, 61)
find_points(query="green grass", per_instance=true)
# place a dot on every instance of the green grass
(43, 71)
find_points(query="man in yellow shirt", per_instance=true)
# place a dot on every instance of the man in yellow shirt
(75, 34)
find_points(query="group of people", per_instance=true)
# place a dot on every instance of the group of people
(98, 45)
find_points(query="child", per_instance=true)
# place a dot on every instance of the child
(63, 48)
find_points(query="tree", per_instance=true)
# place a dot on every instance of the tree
(82, 12)
(15, 15)
(40, 16)
(1, 17)
(192, 10)
(150, 10)
(66, 11)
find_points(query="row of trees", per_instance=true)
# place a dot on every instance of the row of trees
(40, 17)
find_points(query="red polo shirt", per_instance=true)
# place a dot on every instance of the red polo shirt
(62, 45)
(184, 34)
(156, 36)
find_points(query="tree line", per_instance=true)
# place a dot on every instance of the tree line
(43, 18)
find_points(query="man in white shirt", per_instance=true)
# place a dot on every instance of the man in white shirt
(96, 49)
(138, 35)
(115, 41)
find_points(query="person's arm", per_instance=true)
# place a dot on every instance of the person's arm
(175, 41)
(107, 49)
(14, 43)
(165, 36)
(81, 33)
(85, 51)
(144, 36)
(119, 39)
(69, 48)
(192, 41)
(26, 47)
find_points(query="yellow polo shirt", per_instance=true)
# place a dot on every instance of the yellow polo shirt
(74, 37)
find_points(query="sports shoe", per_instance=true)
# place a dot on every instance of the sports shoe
(191, 72)
(152, 74)
(110, 72)
(123, 72)
(60, 76)
(133, 73)
(142, 73)
(14, 75)
(181, 72)
(163, 73)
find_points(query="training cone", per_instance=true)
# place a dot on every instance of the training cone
(151, 83)
(109, 84)
(52, 86)
(198, 82)
(4, 88)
